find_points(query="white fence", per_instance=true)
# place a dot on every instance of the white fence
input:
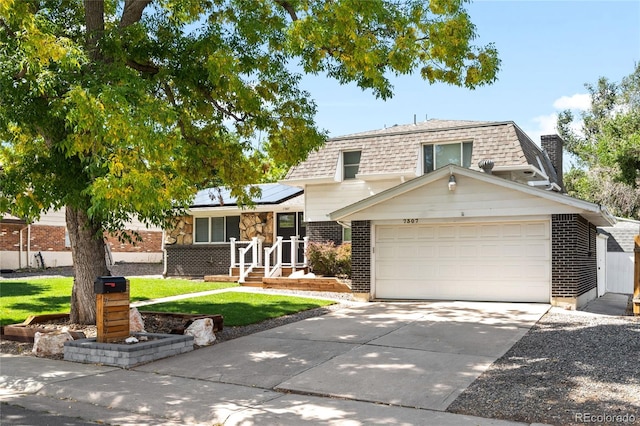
(620, 272)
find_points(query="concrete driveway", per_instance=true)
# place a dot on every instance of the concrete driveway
(376, 363)
(420, 354)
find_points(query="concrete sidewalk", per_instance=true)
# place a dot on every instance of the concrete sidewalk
(608, 304)
(228, 290)
(379, 363)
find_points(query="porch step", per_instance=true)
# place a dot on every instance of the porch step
(286, 271)
(254, 279)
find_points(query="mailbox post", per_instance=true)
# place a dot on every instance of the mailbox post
(112, 308)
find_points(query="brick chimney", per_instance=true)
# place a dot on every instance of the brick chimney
(553, 144)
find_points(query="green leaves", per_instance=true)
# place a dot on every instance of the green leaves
(366, 41)
(166, 97)
(608, 145)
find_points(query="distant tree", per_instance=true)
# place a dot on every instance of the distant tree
(115, 109)
(607, 146)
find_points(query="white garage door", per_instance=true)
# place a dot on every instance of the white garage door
(472, 261)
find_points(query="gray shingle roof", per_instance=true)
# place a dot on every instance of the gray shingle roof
(621, 235)
(396, 149)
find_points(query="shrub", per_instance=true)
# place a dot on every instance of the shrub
(329, 260)
(343, 257)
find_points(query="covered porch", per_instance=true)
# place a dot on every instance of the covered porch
(284, 265)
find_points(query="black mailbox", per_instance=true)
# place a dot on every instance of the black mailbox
(110, 285)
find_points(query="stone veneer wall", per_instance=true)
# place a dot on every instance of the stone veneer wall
(573, 253)
(257, 224)
(181, 233)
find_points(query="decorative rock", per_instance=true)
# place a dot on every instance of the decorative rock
(310, 275)
(136, 323)
(297, 274)
(46, 344)
(202, 332)
(131, 340)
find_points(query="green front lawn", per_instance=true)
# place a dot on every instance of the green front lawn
(240, 308)
(20, 298)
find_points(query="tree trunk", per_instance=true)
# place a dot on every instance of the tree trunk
(87, 249)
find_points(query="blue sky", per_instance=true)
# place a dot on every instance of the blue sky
(549, 49)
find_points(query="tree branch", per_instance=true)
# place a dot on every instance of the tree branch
(4, 25)
(289, 8)
(94, 20)
(132, 12)
(144, 68)
(169, 93)
(21, 73)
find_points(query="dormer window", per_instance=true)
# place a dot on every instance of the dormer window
(440, 155)
(350, 164)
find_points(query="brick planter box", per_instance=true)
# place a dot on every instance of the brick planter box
(123, 355)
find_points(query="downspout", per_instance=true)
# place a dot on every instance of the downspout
(28, 245)
(344, 224)
(20, 247)
(164, 256)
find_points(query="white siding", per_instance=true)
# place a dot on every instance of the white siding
(324, 199)
(620, 272)
(57, 218)
(471, 198)
(53, 218)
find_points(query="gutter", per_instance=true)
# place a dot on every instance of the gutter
(164, 255)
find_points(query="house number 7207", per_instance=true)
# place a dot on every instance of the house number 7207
(409, 220)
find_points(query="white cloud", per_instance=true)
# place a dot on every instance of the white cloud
(542, 125)
(580, 101)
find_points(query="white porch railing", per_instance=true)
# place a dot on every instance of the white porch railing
(254, 248)
(277, 267)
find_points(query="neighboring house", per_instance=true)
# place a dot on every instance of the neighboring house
(216, 228)
(427, 222)
(45, 243)
(620, 255)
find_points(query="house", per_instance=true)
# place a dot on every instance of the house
(620, 254)
(456, 210)
(46, 243)
(214, 234)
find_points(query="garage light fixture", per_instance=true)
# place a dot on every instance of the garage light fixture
(452, 183)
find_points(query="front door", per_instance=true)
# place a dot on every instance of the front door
(287, 226)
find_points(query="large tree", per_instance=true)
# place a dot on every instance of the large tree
(607, 146)
(114, 109)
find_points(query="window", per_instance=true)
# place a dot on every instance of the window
(346, 235)
(217, 229)
(351, 164)
(439, 155)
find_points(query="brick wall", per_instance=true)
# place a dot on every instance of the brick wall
(573, 253)
(48, 238)
(199, 260)
(151, 242)
(324, 231)
(586, 256)
(553, 145)
(10, 236)
(53, 238)
(361, 256)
